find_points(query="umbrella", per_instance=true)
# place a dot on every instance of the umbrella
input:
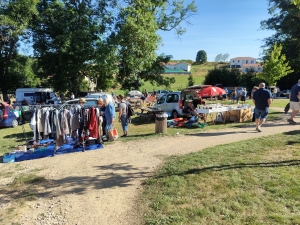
(133, 93)
(211, 92)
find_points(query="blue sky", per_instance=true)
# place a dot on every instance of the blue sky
(220, 27)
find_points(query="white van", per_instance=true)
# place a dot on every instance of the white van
(36, 96)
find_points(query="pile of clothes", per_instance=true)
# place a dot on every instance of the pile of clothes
(47, 148)
(184, 122)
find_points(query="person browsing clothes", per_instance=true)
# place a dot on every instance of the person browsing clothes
(123, 115)
(110, 114)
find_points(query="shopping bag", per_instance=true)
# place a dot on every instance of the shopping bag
(113, 134)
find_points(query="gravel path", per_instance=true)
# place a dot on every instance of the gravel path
(103, 186)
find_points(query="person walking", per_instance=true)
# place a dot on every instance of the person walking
(262, 101)
(123, 115)
(294, 102)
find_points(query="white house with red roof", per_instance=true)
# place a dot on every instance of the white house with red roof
(178, 66)
(245, 63)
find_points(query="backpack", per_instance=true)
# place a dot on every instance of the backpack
(129, 111)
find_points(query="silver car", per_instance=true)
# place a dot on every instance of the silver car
(173, 103)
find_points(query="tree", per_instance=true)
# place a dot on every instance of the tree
(285, 21)
(218, 58)
(15, 17)
(191, 80)
(65, 41)
(101, 40)
(137, 40)
(224, 76)
(297, 3)
(225, 57)
(201, 57)
(275, 66)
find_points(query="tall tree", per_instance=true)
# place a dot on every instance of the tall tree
(201, 57)
(72, 38)
(218, 58)
(65, 39)
(225, 57)
(137, 39)
(285, 21)
(275, 66)
(15, 16)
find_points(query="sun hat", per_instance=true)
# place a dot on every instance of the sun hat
(82, 100)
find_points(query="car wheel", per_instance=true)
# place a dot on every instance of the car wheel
(175, 114)
(14, 123)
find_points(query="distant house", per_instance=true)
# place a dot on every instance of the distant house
(256, 67)
(239, 61)
(178, 66)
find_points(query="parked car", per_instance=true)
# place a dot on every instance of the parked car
(26, 112)
(174, 102)
(98, 95)
(68, 104)
(8, 118)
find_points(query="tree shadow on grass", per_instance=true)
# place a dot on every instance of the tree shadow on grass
(109, 176)
(237, 166)
(20, 136)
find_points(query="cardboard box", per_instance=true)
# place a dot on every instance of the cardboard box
(241, 115)
(246, 115)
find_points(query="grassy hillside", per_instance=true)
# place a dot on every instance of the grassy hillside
(198, 71)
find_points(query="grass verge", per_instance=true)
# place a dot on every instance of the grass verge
(229, 184)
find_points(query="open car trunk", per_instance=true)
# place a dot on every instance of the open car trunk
(190, 93)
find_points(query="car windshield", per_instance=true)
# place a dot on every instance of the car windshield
(103, 96)
(69, 104)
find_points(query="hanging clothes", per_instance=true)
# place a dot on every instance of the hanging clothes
(93, 123)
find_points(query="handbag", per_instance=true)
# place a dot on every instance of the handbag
(113, 134)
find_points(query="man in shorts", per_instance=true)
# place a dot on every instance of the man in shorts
(262, 101)
(294, 102)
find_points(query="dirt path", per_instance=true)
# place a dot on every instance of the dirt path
(102, 186)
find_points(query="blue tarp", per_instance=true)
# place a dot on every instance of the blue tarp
(50, 151)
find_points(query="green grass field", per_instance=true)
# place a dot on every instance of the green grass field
(227, 184)
(248, 182)
(10, 137)
(198, 72)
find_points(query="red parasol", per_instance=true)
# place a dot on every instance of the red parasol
(211, 92)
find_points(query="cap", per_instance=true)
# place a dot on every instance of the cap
(82, 100)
